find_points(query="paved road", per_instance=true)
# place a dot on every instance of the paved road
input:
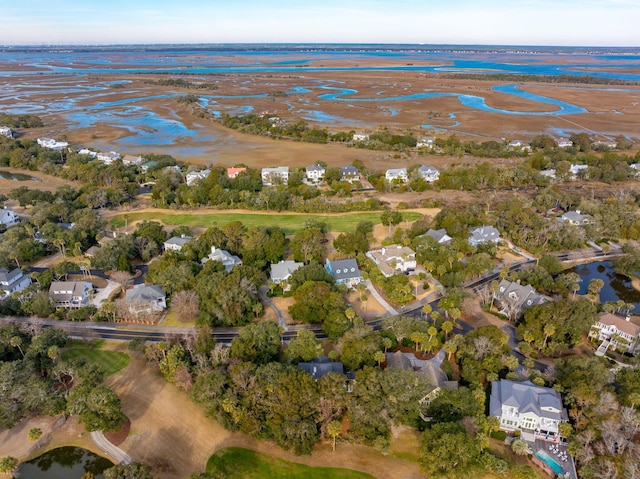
(115, 452)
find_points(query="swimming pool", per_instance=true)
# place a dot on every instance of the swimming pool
(550, 461)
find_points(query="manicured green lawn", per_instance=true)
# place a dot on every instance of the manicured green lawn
(238, 463)
(290, 223)
(110, 361)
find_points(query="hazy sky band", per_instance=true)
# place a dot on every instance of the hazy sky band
(514, 22)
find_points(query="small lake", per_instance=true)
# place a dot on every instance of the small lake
(65, 463)
(616, 287)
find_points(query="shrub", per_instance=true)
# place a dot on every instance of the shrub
(499, 435)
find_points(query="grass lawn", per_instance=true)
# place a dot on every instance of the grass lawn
(238, 463)
(172, 320)
(289, 222)
(109, 361)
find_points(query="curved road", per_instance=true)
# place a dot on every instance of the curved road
(115, 452)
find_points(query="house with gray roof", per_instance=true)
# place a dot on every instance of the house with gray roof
(536, 411)
(227, 259)
(514, 298)
(176, 243)
(70, 294)
(8, 217)
(13, 281)
(146, 299)
(321, 366)
(345, 271)
(6, 132)
(275, 176)
(484, 235)
(282, 271)
(193, 176)
(393, 259)
(576, 218)
(428, 173)
(349, 173)
(315, 173)
(440, 236)
(396, 175)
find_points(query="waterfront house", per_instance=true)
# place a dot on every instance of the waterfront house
(360, 137)
(146, 299)
(52, 144)
(13, 281)
(428, 173)
(194, 176)
(576, 218)
(484, 235)
(514, 298)
(87, 152)
(8, 217)
(282, 271)
(396, 175)
(315, 173)
(616, 333)
(576, 169)
(70, 294)
(564, 143)
(233, 173)
(321, 366)
(6, 131)
(275, 176)
(393, 259)
(427, 142)
(227, 259)
(345, 271)
(349, 173)
(535, 411)
(440, 236)
(132, 160)
(176, 243)
(108, 157)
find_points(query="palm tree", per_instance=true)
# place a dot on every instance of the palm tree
(379, 357)
(426, 310)
(432, 331)
(334, 429)
(16, 342)
(450, 347)
(350, 313)
(520, 447)
(549, 330)
(447, 327)
(34, 435)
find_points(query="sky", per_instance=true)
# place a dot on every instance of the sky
(495, 22)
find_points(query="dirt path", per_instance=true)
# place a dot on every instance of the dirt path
(174, 436)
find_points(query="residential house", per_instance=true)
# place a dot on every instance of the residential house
(146, 299)
(536, 411)
(233, 173)
(13, 281)
(282, 271)
(87, 152)
(227, 259)
(604, 144)
(70, 294)
(550, 173)
(615, 333)
(518, 145)
(176, 243)
(576, 169)
(321, 366)
(428, 173)
(427, 142)
(194, 176)
(6, 131)
(440, 236)
(393, 259)
(349, 173)
(484, 235)
(52, 144)
(514, 298)
(360, 137)
(345, 271)
(8, 217)
(275, 176)
(108, 157)
(132, 160)
(564, 143)
(396, 175)
(315, 173)
(576, 218)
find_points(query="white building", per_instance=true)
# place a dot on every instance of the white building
(227, 259)
(428, 173)
(576, 218)
(428, 142)
(615, 333)
(393, 259)
(536, 411)
(13, 281)
(360, 137)
(70, 294)
(176, 243)
(564, 143)
(87, 152)
(108, 157)
(8, 217)
(576, 169)
(52, 144)
(194, 176)
(275, 176)
(6, 131)
(132, 160)
(315, 173)
(396, 175)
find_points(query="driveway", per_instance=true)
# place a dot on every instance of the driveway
(103, 293)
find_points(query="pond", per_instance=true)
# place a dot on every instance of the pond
(616, 287)
(65, 463)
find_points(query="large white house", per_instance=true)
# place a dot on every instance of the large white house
(275, 176)
(315, 173)
(52, 144)
(536, 411)
(6, 131)
(514, 298)
(427, 142)
(396, 175)
(194, 176)
(13, 281)
(360, 137)
(576, 218)
(70, 294)
(8, 217)
(227, 259)
(615, 333)
(428, 173)
(108, 157)
(393, 259)
(176, 243)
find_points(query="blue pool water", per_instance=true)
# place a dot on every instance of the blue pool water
(551, 462)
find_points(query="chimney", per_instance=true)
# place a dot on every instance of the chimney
(627, 318)
(578, 211)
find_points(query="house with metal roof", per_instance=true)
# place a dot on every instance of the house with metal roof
(146, 299)
(345, 271)
(536, 411)
(514, 298)
(396, 175)
(484, 235)
(282, 271)
(576, 218)
(321, 366)
(617, 333)
(315, 173)
(227, 259)
(13, 281)
(349, 173)
(440, 236)
(428, 173)
(176, 243)
(275, 176)
(70, 294)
